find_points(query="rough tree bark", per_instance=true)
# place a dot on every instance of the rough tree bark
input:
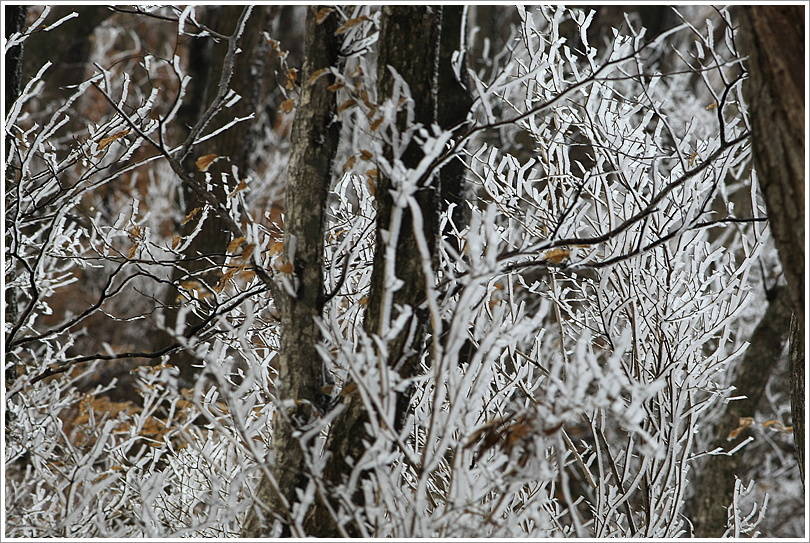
(206, 254)
(715, 485)
(453, 106)
(15, 22)
(409, 42)
(773, 38)
(315, 136)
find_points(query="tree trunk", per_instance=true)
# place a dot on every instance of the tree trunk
(15, 22)
(797, 391)
(314, 144)
(453, 106)
(409, 42)
(206, 254)
(714, 486)
(773, 38)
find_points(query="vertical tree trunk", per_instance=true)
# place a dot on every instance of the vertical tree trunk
(409, 42)
(314, 143)
(453, 106)
(774, 41)
(206, 253)
(15, 22)
(714, 486)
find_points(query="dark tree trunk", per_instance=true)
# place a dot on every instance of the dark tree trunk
(409, 42)
(314, 144)
(797, 404)
(454, 104)
(15, 22)
(68, 49)
(206, 253)
(714, 485)
(773, 38)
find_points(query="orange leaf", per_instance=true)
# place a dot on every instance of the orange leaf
(191, 215)
(235, 244)
(135, 232)
(364, 97)
(376, 124)
(133, 250)
(714, 105)
(363, 300)
(242, 186)
(372, 173)
(315, 76)
(285, 268)
(349, 163)
(555, 256)
(291, 78)
(276, 248)
(372, 187)
(175, 242)
(322, 15)
(106, 141)
(205, 161)
(350, 23)
(366, 155)
(247, 251)
(745, 422)
(345, 105)
(335, 86)
(287, 105)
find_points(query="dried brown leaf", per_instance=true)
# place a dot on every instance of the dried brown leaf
(314, 77)
(235, 244)
(106, 141)
(555, 256)
(745, 422)
(366, 155)
(372, 187)
(240, 187)
(205, 161)
(291, 79)
(322, 15)
(345, 105)
(287, 105)
(285, 268)
(191, 215)
(349, 163)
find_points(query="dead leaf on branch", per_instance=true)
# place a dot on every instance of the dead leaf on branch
(287, 105)
(285, 268)
(314, 77)
(106, 141)
(349, 163)
(291, 79)
(242, 186)
(236, 243)
(745, 422)
(322, 15)
(351, 23)
(205, 161)
(190, 215)
(555, 256)
(345, 105)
